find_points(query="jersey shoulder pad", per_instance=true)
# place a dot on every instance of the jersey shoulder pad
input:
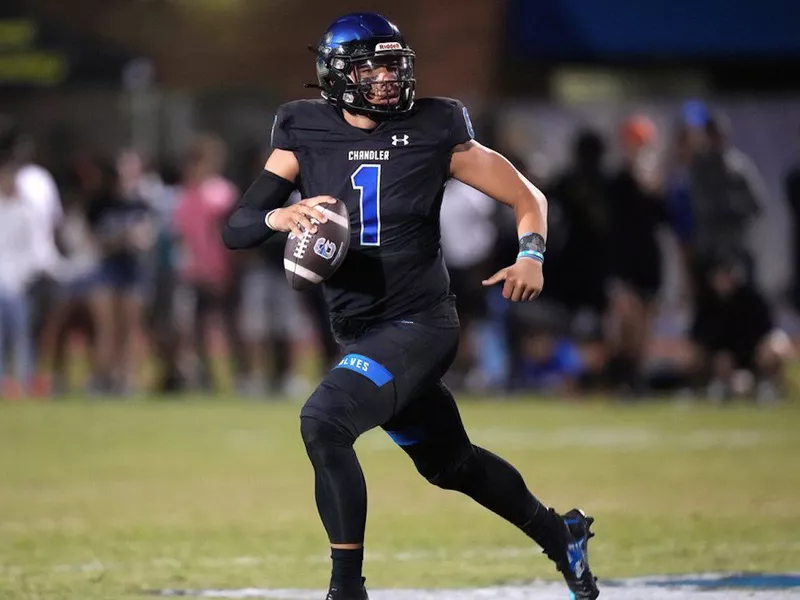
(299, 114)
(305, 108)
(450, 115)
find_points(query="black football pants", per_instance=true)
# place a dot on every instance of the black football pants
(391, 377)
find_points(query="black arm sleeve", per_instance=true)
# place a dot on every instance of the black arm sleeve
(246, 226)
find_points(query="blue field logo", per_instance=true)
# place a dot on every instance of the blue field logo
(717, 581)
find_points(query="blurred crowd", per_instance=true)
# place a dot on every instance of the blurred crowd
(592, 329)
(114, 279)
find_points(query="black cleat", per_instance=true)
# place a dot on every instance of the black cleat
(339, 593)
(575, 565)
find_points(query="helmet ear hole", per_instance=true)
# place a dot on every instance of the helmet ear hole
(338, 83)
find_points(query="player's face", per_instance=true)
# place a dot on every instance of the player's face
(379, 78)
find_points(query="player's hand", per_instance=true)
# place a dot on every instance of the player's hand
(297, 217)
(523, 280)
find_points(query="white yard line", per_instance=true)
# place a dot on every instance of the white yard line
(541, 591)
(631, 589)
(475, 555)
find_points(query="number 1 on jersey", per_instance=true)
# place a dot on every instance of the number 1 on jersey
(367, 180)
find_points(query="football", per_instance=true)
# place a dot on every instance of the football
(314, 257)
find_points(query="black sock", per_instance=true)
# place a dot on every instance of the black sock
(347, 567)
(547, 529)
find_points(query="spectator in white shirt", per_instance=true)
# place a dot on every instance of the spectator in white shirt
(37, 186)
(37, 189)
(468, 237)
(17, 268)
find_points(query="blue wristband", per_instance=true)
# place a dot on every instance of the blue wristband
(531, 254)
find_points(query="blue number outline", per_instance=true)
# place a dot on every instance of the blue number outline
(372, 168)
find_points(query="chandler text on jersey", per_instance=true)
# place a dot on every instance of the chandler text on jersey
(368, 155)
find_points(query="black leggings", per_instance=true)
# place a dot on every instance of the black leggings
(391, 379)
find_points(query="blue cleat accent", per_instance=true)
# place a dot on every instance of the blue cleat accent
(575, 555)
(574, 563)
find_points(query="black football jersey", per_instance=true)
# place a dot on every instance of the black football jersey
(391, 179)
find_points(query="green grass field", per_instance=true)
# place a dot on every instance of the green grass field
(107, 500)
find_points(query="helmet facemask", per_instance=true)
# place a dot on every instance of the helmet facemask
(378, 84)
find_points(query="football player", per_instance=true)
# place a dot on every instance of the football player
(387, 155)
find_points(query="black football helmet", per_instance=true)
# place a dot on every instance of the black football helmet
(353, 50)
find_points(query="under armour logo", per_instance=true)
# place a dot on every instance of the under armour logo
(396, 139)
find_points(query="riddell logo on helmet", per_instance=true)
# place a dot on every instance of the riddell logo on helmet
(384, 46)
